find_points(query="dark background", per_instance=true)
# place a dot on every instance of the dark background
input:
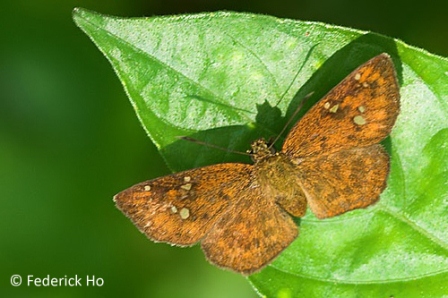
(69, 140)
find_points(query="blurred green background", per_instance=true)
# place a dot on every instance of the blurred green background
(69, 140)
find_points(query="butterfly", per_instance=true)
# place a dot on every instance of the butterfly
(242, 214)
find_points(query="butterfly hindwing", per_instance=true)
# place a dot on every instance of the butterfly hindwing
(181, 208)
(251, 234)
(345, 180)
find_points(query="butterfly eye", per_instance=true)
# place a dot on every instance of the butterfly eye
(270, 146)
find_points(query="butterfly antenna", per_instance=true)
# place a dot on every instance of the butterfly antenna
(291, 118)
(193, 140)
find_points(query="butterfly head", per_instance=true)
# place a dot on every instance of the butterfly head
(260, 149)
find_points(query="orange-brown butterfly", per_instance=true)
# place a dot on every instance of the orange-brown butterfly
(242, 214)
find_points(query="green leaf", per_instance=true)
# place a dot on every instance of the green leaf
(228, 78)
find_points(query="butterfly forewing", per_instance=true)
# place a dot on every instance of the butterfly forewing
(181, 208)
(358, 112)
(251, 234)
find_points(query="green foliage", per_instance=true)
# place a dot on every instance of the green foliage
(229, 78)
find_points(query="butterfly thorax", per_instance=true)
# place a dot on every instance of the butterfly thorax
(271, 167)
(278, 177)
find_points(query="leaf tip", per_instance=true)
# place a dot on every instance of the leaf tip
(80, 14)
(77, 13)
